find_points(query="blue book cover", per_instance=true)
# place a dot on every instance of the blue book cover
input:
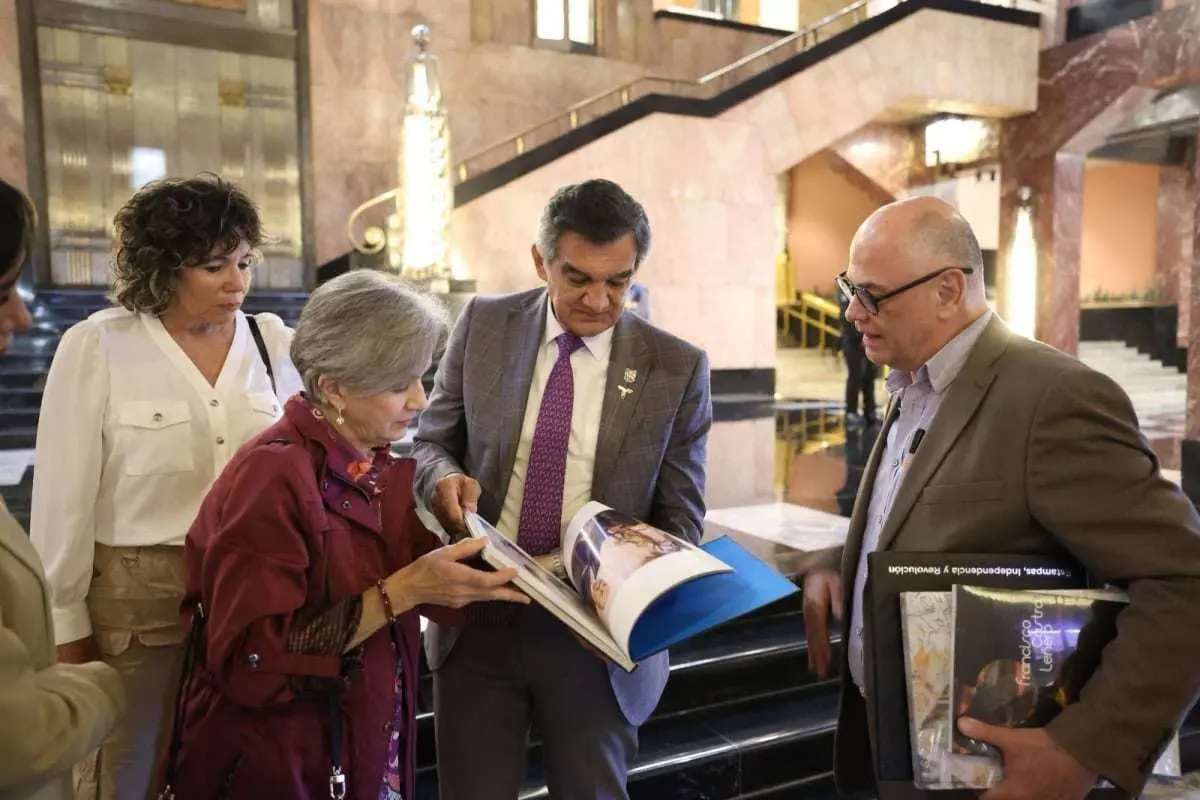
(632, 590)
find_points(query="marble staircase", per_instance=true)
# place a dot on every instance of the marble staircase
(1158, 393)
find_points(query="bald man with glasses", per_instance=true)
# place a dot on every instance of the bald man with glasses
(993, 443)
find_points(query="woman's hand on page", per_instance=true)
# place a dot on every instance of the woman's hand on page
(452, 496)
(437, 578)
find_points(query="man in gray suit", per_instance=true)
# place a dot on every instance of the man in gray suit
(545, 400)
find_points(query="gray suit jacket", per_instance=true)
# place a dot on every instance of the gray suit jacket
(1032, 452)
(649, 457)
(51, 715)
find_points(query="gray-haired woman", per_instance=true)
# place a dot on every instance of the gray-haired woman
(308, 564)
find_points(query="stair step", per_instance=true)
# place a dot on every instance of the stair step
(21, 378)
(18, 418)
(18, 438)
(20, 397)
(762, 652)
(721, 754)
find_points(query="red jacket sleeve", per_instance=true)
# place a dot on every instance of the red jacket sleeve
(424, 541)
(254, 575)
(419, 540)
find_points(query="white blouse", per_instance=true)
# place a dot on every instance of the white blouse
(130, 437)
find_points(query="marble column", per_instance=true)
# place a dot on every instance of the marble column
(12, 112)
(1192, 300)
(1174, 243)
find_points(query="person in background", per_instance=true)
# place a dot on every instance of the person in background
(144, 404)
(637, 300)
(544, 400)
(306, 567)
(51, 715)
(861, 374)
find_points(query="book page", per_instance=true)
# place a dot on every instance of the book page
(620, 565)
(546, 589)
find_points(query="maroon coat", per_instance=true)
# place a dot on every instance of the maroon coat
(286, 539)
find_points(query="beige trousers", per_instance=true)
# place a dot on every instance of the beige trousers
(133, 603)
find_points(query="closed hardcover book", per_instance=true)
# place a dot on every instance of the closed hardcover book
(1021, 657)
(891, 574)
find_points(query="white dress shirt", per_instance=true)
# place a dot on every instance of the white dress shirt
(920, 397)
(130, 437)
(589, 366)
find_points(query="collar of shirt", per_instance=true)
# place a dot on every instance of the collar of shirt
(943, 367)
(599, 345)
(341, 458)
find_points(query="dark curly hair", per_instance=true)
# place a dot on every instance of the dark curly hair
(17, 221)
(171, 224)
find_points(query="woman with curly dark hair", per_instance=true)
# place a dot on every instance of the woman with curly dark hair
(143, 406)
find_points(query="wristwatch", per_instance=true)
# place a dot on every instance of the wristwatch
(556, 565)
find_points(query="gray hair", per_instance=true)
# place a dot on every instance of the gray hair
(599, 211)
(369, 331)
(947, 241)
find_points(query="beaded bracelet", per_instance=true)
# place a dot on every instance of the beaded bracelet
(387, 601)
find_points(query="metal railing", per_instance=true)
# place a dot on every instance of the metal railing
(373, 239)
(818, 319)
(705, 87)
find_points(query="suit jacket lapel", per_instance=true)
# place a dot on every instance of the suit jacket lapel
(866, 486)
(957, 408)
(523, 335)
(629, 368)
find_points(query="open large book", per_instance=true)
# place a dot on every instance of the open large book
(633, 590)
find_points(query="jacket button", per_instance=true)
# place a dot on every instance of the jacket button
(346, 505)
(157, 417)
(214, 403)
(252, 660)
(220, 440)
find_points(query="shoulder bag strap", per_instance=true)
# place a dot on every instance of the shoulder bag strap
(195, 635)
(262, 351)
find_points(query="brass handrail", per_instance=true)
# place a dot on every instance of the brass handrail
(824, 320)
(373, 238)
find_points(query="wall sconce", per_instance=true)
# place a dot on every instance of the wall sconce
(951, 141)
(1021, 295)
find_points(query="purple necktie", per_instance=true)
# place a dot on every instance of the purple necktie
(540, 528)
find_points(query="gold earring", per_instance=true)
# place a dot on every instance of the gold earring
(341, 419)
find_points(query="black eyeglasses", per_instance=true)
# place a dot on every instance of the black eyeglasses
(871, 301)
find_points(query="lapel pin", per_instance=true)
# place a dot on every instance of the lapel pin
(630, 375)
(625, 391)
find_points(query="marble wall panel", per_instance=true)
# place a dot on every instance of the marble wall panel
(741, 463)
(1192, 299)
(12, 111)
(891, 155)
(684, 49)
(1173, 240)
